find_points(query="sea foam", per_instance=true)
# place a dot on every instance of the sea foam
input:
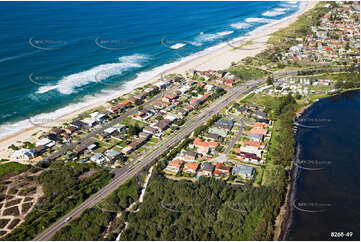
(240, 25)
(69, 84)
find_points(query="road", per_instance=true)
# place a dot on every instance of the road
(235, 139)
(126, 172)
(101, 129)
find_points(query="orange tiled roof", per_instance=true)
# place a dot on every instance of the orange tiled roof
(257, 130)
(125, 102)
(199, 142)
(253, 143)
(191, 165)
(177, 163)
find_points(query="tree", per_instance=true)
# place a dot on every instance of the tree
(270, 80)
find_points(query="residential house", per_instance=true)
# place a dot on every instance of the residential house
(134, 145)
(98, 159)
(221, 132)
(224, 124)
(78, 124)
(191, 167)
(71, 129)
(258, 130)
(189, 155)
(174, 166)
(162, 125)
(214, 137)
(150, 130)
(221, 170)
(111, 155)
(38, 150)
(259, 114)
(249, 157)
(204, 147)
(258, 145)
(23, 154)
(56, 131)
(145, 135)
(89, 122)
(256, 137)
(243, 171)
(206, 169)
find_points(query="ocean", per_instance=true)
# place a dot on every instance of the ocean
(57, 57)
(326, 190)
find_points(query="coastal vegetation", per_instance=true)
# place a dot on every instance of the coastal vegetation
(64, 187)
(92, 225)
(247, 72)
(12, 168)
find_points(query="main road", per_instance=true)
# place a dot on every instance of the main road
(126, 172)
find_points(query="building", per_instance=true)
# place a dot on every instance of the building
(243, 171)
(174, 166)
(258, 145)
(258, 130)
(255, 137)
(191, 167)
(221, 132)
(78, 124)
(214, 137)
(189, 155)
(23, 154)
(224, 124)
(249, 157)
(221, 170)
(145, 135)
(134, 145)
(56, 131)
(162, 125)
(206, 169)
(89, 122)
(111, 155)
(98, 159)
(204, 147)
(150, 130)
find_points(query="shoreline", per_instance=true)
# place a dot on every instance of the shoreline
(284, 218)
(216, 57)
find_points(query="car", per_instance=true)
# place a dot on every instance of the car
(67, 219)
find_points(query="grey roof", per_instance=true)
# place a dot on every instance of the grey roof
(190, 153)
(207, 167)
(241, 109)
(213, 136)
(243, 170)
(260, 114)
(226, 122)
(256, 136)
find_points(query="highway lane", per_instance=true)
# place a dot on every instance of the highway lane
(123, 174)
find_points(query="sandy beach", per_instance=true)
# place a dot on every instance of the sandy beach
(220, 58)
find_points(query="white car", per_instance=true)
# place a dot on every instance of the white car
(67, 219)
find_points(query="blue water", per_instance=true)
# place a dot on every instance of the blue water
(73, 51)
